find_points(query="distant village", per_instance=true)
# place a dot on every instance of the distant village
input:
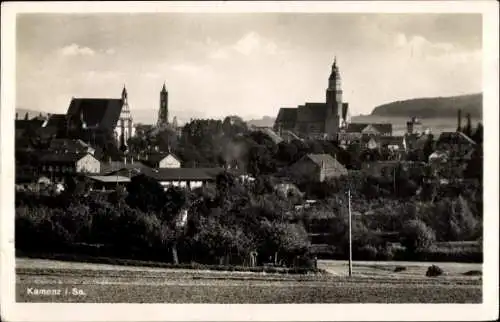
(97, 138)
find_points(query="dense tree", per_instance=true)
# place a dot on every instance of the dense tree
(468, 127)
(478, 134)
(146, 194)
(417, 235)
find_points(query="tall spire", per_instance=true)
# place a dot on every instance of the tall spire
(164, 88)
(124, 92)
(335, 70)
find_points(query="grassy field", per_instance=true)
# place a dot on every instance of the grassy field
(94, 283)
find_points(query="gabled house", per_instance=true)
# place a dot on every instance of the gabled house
(457, 144)
(393, 143)
(162, 160)
(58, 165)
(317, 168)
(356, 131)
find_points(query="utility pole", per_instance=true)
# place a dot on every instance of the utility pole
(350, 232)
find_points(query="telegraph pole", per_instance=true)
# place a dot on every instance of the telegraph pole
(350, 232)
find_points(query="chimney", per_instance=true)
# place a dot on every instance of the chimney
(459, 121)
(17, 115)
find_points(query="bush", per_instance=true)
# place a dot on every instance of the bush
(433, 254)
(399, 269)
(417, 235)
(366, 252)
(433, 271)
(473, 273)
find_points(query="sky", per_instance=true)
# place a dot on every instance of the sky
(246, 64)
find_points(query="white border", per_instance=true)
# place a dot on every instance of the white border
(12, 311)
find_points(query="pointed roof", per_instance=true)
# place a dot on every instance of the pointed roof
(124, 92)
(97, 112)
(164, 88)
(335, 70)
(287, 114)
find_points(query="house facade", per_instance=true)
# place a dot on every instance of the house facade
(169, 161)
(59, 165)
(188, 178)
(161, 160)
(317, 168)
(355, 132)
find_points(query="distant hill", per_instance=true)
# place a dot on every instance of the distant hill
(433, 107)
(266, 121)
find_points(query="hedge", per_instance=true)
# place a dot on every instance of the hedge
(195, 266)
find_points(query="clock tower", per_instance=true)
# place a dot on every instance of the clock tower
(333, 101)
(163, 111)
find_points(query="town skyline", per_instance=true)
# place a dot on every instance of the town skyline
(251, 69)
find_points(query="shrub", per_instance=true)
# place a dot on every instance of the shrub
(417, 235)
(440, 254)
(399, 269)
(433, 271)
(366, 252)
(473, 273)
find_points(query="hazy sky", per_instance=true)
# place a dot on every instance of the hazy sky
(246, 64)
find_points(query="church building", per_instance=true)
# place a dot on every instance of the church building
(99, 114)
(317, 120)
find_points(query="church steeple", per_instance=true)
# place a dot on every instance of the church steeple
(163, 111)
(125, 127)
(124, 95)
(335, 74)
(334, 102)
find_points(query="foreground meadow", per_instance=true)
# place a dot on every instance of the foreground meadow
(92, 283)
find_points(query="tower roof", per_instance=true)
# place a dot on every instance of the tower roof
(164, 88)
(124, 92)
(335, 70)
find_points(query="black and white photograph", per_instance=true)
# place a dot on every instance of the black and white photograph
(273, 153)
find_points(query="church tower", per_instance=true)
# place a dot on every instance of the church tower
(334, 104)
(163, 112)
(124, 129)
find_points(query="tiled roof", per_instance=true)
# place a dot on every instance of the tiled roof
(287, 114)
(325, 160)
(383, 127)
(109, 168)
(184, 174)
(68, 144)
(57, 121)
(312, 112)
(153, 158)
(355, 127)
(109, 178)
(61, 158)
(96, 112)
(358, 127)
